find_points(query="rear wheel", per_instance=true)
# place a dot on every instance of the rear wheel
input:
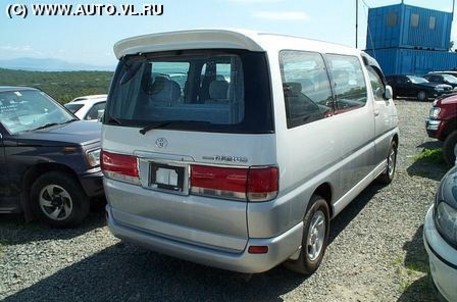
(422, 96)
(449, 148)
(315, 237)
(59, 200)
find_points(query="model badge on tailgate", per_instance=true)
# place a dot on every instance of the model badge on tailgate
(227, 158)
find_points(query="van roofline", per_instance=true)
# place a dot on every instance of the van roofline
(212, 38)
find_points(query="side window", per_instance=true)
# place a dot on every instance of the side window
(348, 81)
(414, 20)
(376, 84)
(392, 19)
(307, 92)
(432, 23)
(96, 111)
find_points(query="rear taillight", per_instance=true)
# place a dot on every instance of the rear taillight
(253, 184)
(262, 183)
(120, 167)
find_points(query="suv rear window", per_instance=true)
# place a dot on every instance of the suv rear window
(210, 90)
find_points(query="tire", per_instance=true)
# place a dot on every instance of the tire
(387, 176)
(422, 96)
(316, 229)
(449, 148)
(58, 200)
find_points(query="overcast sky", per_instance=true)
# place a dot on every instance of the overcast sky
(89, 39)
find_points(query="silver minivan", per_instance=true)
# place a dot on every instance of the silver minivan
(235, 149)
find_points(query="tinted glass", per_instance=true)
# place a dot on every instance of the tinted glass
(376, 84)
(306, 87)
(96, 111)
(73, 107)
(348, 81)
(216, 91)
(417, 80)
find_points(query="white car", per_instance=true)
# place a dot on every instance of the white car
(89, 107)
(440, 237)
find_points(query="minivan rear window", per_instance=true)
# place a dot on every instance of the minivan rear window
(203, 90)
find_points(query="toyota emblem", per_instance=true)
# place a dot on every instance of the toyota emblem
(161, 142)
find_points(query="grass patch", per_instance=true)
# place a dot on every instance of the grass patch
(409, 274)
(433, 156)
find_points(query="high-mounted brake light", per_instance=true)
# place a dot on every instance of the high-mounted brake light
(120, 167)
(253, 184)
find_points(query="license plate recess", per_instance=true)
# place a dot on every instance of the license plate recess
(167, 177)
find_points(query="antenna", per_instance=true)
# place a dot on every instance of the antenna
(357, 22)
(453, 6)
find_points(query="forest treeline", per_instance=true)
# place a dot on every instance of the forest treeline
(62, 85)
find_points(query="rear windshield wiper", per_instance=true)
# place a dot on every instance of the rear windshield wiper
(164, 124)
(112, 120)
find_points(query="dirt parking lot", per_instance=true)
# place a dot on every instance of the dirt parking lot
(376, 251)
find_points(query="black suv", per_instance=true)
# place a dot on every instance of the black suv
(49, 160)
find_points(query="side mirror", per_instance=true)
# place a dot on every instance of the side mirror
(389, 93)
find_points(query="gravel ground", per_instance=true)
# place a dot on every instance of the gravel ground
(376, 251)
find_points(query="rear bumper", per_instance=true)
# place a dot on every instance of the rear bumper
(280, 248)
(442, 259)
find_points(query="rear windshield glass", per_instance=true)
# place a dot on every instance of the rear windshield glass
(215, 91)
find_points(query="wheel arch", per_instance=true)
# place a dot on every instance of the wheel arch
(31, 175)
(451, 126)
(324, 191)
(395, 139)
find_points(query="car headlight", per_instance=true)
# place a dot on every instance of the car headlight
(93, 158)
(439, 88)
(434, 112)
(446, 222)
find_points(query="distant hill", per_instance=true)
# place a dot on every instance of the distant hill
(35, 64)
(63, 85)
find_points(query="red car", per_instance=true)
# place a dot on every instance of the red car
(442, 125)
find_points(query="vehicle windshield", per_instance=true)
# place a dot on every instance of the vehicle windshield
(28, 110)
(198, 90)
(418, 80)
(450, 78)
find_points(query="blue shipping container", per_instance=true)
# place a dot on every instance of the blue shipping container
(407, 26)
(413, 61)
